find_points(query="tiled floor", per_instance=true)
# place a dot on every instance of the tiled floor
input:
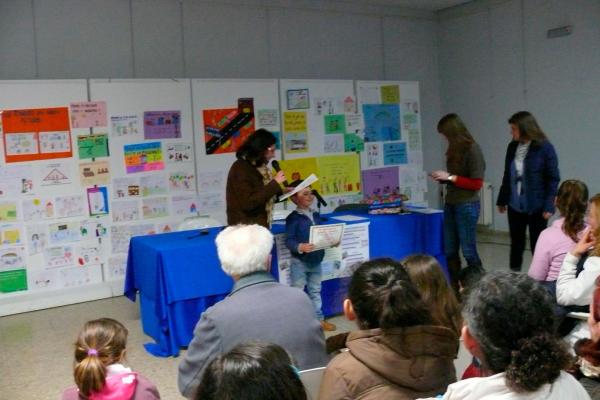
(36, 348)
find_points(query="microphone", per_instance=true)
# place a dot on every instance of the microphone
(320, 200)
(276, 167)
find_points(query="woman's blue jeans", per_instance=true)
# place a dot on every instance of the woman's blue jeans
(460, 229)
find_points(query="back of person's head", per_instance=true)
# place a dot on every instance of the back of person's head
(101, 343)
(468, 277)
(594, 221)
(244, 249)
(251, 371)
(253, 149)
(510, 317)
(459, 139)
(528, 126)
(383, 296)
(571, 201)
(427, 275)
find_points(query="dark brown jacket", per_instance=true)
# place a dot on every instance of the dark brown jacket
(403, 363)
(247, 195)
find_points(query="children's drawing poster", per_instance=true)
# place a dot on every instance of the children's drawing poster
(117, 265)
(97, 201)
(382, 122)
(59, 256)
(36, 134)
(210, 181)
(94, 173)
(70, 206)
(10, 235)
(125, 211)
(295, 128)
(37, 236)
(301, 168)
(353, 143)
(88, 255)
(268, 119)
(92, 146)
(143, 157)
(54, 174)
(394, 153)
(88, 114)
(12, 281)
(335, 123)
(298, 99)
(162, 124)
(334, 143)
(8, 211)
(339, 174)
(126, 187)
(38, 208)
(380, 182)
(390, 94)
(153, 185)
(226, 122)
(185, 205)
(179, 153)
(64, 232)
(124, 125)
(182, 181)
(156, 207)
(372, 156)
(16, 180)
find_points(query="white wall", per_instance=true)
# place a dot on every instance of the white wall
(310, 39)
(495, 60)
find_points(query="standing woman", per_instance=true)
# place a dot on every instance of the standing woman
(464, 178)
(529, 184)
(251, 189)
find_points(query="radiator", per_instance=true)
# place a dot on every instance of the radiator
(486, 199)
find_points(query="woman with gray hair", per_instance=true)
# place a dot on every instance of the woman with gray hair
(509, 327)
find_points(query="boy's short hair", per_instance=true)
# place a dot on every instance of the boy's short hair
(295, 184)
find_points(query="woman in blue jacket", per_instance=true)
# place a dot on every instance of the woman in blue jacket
(529, 184)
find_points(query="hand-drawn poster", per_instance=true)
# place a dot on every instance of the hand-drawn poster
(88, 114)
(184, 205)
(335, 123)
(124, 211)
(334, 143)
(143, 157)
(353, 143)
(339, 174)
(94, 173)
(153, 185)
(394, 153)
(88, 255)
(117, 265)
(124, 125)
(182, 181)
(268, 119)
(126, 187)
(211, 201)
(382, 122)
(155, 207)
(59, 256)
(179, 153)
(210, 181)
(226, 122)
(16, 180)
(37, 236)
(10, 235)
(298, 99)
(97, 201)
(355, 124)
(56, 174)
(300, 169)
(92, 146)
(70, 206)
(36, 134)
(390, 94)
(380, 182)
(38, 208)
(8, 211)
(64, 232)
(162, 124)
(94, 228)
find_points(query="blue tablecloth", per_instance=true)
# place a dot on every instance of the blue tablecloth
(178, 274)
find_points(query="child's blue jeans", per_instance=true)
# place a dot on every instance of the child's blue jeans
(308, 274)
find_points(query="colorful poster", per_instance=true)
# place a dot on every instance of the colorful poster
(97, 201)
(179, 152)
(382, 122)
(38, 208)
(296, 143)
(124, 211)
(353, 143)
(335, 123)
(10, 235)
(394, 153)
(153, 185)
(156, 207)
(294, 121)
(92, 146)
(56, 174)
(162, 124)
(124, 125)
(339, 174)
(94, 228)
(59, 256)
(8, 211)
(298, 99)
(88, 255)
(12, 281)
(70, 206)
(268, 119)
(143, 157)
(64, 232)
(182, 181)
(126, 187)
(88, 114)
(36, 134)
(390, 94)
(94, 173)
(12, 258)
(300, 169)
(230, 123)
(380, 182)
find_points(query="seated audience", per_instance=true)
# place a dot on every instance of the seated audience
(398, 353)
(509, 327)
(99, 372)
(555, 241)
(427, 275)
(251, 371)
(588, 351)
(258, 308)
(468, 278)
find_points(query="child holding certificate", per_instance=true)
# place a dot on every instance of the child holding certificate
(305, 266)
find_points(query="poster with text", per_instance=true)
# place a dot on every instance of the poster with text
(382, 122)
(94, 173)
(88, 114)
(339, 174)
(162, 124)
(124, 125)
(92, 146)
(143, 157)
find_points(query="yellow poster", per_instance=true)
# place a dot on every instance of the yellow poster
(11, 236)
(294, 121)
(301, 168)
(339, 174)
(390, 94)
(8, 211)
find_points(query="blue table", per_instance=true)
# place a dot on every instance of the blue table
(178, 275)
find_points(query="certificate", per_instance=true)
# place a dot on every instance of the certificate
(325, 236)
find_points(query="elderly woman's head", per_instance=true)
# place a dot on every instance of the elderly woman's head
(244, 249)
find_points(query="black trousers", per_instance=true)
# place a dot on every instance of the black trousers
(517, 225)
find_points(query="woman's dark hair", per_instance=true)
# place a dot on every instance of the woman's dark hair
(571, 201)
(383, 296)
(459, 140)
(511, 317)
(251, 371)
(253, 149)
(528, 127)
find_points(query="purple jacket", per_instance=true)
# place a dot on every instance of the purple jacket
(551, 248)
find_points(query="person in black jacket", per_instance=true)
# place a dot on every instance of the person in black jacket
(529, 184)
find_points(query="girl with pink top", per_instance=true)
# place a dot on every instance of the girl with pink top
(556, 241)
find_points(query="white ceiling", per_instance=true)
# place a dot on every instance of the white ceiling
(430, 5)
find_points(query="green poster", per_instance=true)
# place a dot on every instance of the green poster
(335, 123)
(353, 143)
(92, 146)
(390, 94)
(12, 281)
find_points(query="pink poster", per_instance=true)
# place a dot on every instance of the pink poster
(88, 114)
